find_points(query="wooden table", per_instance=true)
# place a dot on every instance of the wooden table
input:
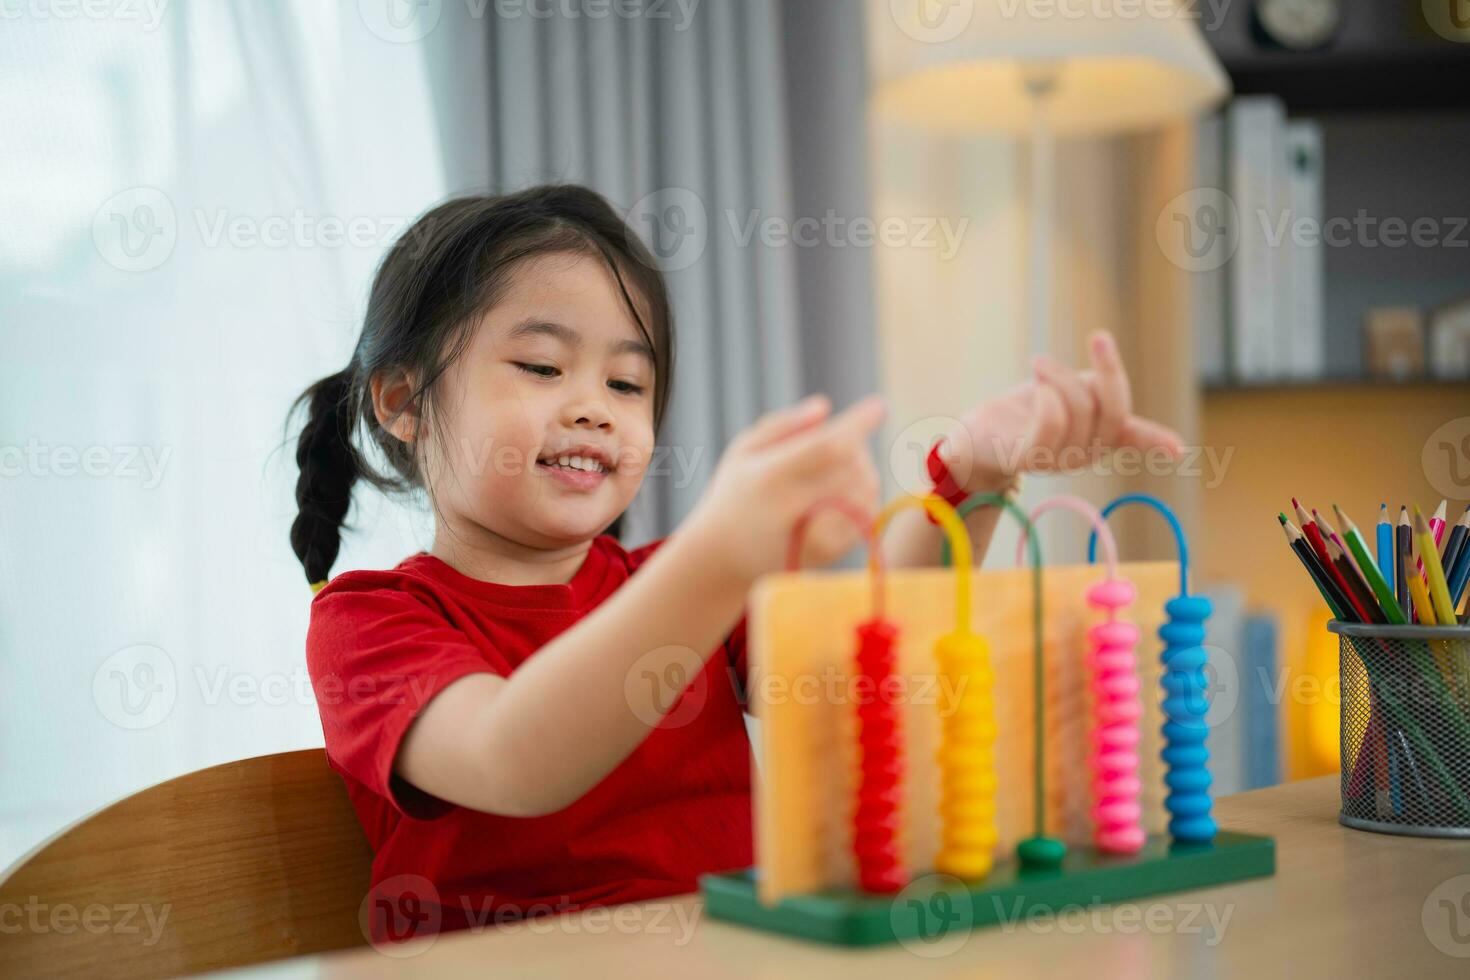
(1343, 904)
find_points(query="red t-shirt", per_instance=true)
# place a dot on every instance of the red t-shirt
(383, 643)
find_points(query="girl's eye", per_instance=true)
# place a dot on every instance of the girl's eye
(540, 370)
(626, 386)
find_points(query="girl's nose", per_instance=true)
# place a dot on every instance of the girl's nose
(589, 413)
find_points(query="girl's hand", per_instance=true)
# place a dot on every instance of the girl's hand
(1060, 420)
(774, 471)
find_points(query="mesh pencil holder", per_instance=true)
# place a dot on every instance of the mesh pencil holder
(1405, 728)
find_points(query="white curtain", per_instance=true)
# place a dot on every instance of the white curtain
(190, 211)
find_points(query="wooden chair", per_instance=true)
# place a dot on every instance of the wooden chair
(251, 861)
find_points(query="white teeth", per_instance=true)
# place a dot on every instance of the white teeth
(580, 463)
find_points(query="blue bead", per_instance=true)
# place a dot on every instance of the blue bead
(1193, 830)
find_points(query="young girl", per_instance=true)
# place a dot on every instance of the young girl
(523, 723)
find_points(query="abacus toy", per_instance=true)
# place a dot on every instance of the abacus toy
(911, 766)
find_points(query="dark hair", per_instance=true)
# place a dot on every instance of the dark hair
(443, 271)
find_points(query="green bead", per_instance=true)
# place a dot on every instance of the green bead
(1041, 852)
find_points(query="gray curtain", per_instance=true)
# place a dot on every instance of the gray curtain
(706, 122)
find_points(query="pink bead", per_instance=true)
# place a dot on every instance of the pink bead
(1128, 840)
(1114, 634)
(1113, 593)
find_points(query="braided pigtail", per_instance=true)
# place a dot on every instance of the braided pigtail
(328, 464)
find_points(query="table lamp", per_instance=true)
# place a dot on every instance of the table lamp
(1043, 68)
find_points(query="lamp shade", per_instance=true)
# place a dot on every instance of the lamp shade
(1112, 65)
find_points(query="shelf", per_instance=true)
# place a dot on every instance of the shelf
(1339, 381)
(1431, 80)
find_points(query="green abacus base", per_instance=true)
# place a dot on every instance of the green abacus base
(934, 904)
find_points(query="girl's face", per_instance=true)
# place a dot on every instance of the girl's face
(547, 416)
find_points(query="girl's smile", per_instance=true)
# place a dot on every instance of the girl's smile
(581, 468)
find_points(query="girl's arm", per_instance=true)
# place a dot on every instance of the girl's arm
(1060, 420)
(534, 742)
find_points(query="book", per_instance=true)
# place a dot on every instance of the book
(1210, 352)
(1262, 719)
(1303, 254)
(1226, 719)
(1255, 142)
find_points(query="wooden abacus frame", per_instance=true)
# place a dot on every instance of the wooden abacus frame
(852, 914)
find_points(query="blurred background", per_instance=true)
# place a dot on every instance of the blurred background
(1266, 200)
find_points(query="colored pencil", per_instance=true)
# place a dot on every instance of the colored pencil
(1375, 744)
(1359, 548)
(1331, 594)
(1416, 778)
(1429, 615)
(1403, 548)
(1363, 601)
(1374, 737)
(1454, 545)
(1396, 778)
(1385, 547)
(1319, 547)
(1423, 605)
(1460, 574)
(1439, 590)
(1353, 570)
(1436, 524)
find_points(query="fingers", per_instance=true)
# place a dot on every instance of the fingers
(1109, 382)
(832, 534)
(1077, 400)
(1110, 387)
(860, 419)
(1048, 423)
(849, 430)
(1146, 434)
(783, 423)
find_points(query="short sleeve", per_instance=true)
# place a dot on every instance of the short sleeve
(377, 656)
